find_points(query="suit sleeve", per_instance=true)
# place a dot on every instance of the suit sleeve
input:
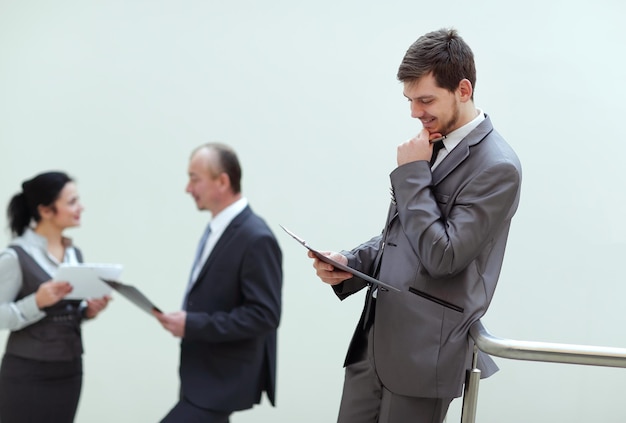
(445, 246)
(259, 309)
(361, 258)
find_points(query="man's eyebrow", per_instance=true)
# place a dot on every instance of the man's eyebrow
(422, 97)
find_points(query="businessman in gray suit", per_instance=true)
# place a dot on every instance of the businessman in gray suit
(232, 304)
(454, 192)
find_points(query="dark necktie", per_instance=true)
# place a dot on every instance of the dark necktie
(436, 147)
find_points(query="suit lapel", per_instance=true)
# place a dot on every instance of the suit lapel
(224, 241)
(461, 151)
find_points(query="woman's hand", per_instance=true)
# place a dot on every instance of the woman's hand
(96, 305)
(51, 292)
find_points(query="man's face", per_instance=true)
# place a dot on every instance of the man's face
(436, 107)
(203, 186)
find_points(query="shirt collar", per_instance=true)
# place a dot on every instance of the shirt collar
(222, 219)
(33, 238)
(455, 137)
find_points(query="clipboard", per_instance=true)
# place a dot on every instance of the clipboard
(338, 265)
(133, 294)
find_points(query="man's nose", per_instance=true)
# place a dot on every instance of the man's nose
(416, 110)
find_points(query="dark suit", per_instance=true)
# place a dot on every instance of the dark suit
(228, 352)
(444, 244)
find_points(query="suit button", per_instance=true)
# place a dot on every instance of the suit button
(190, 303)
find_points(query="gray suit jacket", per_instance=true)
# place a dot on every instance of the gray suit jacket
(444, 244)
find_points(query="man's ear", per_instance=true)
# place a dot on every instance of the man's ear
(465, 90)
(224, 181)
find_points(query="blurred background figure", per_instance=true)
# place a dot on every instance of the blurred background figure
(232, 304)
(41, 371)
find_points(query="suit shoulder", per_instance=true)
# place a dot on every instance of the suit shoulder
(498, 150)
(256, 226)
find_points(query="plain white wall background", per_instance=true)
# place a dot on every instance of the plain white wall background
(119, 92)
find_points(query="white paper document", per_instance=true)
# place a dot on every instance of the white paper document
(86, 279)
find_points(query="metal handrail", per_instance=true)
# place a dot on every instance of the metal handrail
(530, 351)
(547, 351)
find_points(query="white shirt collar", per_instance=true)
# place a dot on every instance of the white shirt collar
(37, 246)
(223, 218)
(455, 137)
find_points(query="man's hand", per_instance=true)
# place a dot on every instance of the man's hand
(172, 322)
(417, 148)
(327, 272)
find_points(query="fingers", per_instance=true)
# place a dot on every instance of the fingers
(161, 317)
(172, 322)
(51, 292)
(326, 271)
(164, 318)
(435, 137)
(417, 148)
(319, 265)
(60, 289)
(99, 302)
(96, 305)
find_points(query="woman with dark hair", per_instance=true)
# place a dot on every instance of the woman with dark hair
(41, 371)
